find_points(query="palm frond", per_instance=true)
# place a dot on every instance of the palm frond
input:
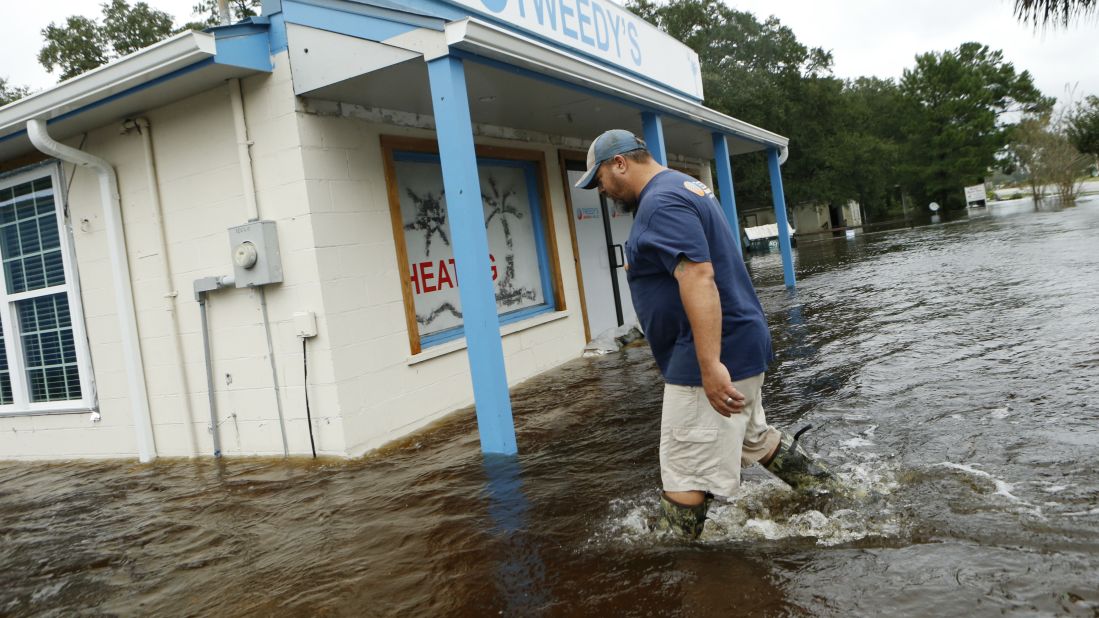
(1056, 12)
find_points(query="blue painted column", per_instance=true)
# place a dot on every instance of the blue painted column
(654, 136)
(725, 184)
(779, 199)
(470, 241)
(521, 573)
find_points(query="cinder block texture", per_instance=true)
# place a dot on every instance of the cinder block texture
(321, 179)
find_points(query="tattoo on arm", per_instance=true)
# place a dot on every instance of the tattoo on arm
(681, 266)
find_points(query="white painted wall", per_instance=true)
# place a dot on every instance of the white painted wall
(758, 217)
(384, 393)
(201, 193)
(852, 214)
(810, 218)
(321, 179)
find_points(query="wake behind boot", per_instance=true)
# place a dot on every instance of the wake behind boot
(682, 520)
(800, 470)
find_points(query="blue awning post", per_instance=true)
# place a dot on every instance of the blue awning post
(465, 214)
(725, 184)
(654, 136)
(521, 574)
(779, 199)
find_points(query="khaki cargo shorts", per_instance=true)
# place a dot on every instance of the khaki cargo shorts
(701, 450)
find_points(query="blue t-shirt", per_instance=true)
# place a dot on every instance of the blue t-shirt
(679, 217)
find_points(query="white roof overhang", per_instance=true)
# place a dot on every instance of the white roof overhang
(514, 82)
(489, 41)
(184, 64)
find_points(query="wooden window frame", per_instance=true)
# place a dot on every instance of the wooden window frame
(563, 159)
(391, 144)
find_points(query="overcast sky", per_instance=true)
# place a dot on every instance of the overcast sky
(866, 37)
(882, 37)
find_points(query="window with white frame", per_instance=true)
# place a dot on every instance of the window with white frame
(43, 352)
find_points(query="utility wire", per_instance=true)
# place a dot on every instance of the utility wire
(305, 373)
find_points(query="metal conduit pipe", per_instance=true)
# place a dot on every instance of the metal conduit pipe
(274, 370)
(244, 156)
(120, 271)
(144, 128)
(211, 400)
(251, 208)
(202, 287)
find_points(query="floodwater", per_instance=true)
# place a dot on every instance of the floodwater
(952, 371)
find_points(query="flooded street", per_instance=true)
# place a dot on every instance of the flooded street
(952, 372)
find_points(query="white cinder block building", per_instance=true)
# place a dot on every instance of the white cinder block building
(187, 230)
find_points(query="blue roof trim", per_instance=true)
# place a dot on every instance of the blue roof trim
(19, 133)
(445, 12)
(244, 45)
(277, 34)
(458, 332)
(394, 13)
(276, 27)
(343, 22)
(251, 25)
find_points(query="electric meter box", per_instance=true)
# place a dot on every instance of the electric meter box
(256, 257)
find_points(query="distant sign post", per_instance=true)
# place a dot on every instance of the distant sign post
(975, 196)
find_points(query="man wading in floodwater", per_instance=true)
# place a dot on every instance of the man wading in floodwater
(707, 331)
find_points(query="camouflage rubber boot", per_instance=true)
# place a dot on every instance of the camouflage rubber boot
(687, 521)
(799, 469)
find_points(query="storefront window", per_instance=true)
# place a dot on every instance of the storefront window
(514, 218)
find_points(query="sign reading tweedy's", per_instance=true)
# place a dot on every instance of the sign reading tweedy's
(604, 31)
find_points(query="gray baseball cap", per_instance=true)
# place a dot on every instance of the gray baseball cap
(606, 146)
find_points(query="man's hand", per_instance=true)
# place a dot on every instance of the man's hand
(703, 307)
(723, 396)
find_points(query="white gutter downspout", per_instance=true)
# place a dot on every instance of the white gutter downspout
(783, 154)
(120, 269)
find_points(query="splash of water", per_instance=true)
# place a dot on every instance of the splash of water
(766, 509)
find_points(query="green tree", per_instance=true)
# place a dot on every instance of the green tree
(759, 72)
(1065, 166)
(239, 9)
(9, 93)
(1042, 149)
(1030, 139)
(84, 43)
(870, 150)
(77, 47)
(958, 104)
(844, 136)
(129, 29)
(1083, 126)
